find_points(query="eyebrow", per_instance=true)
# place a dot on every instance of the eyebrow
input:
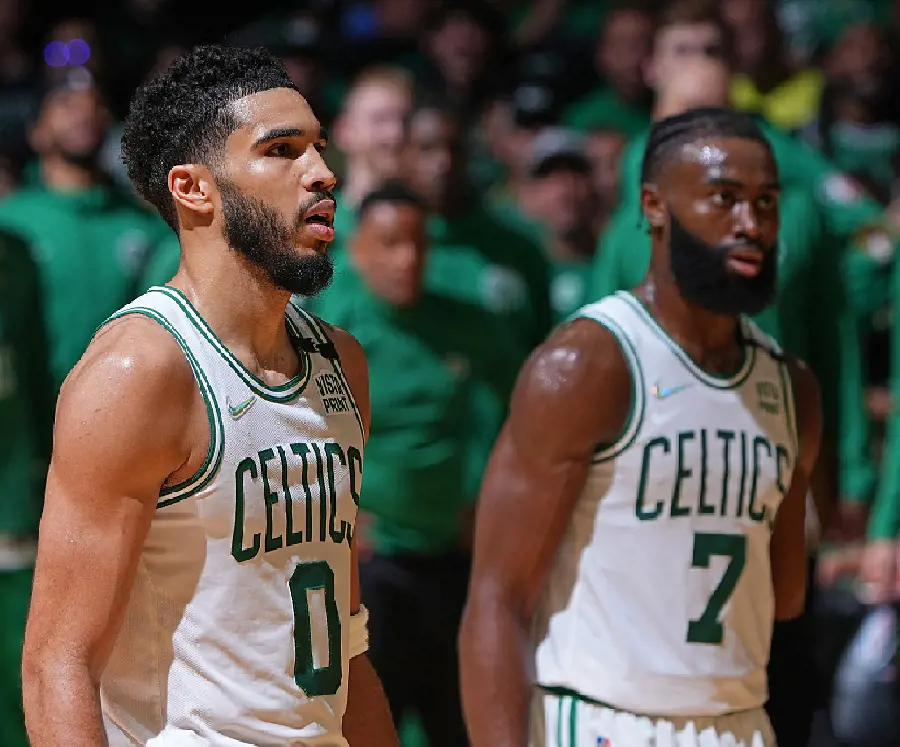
(722, 181)
(282, 132)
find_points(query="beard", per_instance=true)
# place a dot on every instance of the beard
(702, 276)
(256, 231)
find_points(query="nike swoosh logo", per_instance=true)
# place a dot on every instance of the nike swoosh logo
(661, 393)
(238, 411)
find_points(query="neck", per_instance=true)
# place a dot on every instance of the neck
(236, 298)
(710, 339)
(576, 246)
(65, 176)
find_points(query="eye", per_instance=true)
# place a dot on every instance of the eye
(722, 199)
(767, 202)
(282, 150)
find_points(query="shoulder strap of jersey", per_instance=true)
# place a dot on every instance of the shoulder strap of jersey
(325, 347)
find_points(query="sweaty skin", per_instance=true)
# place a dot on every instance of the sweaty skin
(574, 393)
(131, 418)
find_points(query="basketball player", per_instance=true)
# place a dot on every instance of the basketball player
(196, 580)
(642, 515)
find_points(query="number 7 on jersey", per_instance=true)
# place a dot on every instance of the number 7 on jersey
(708, 627)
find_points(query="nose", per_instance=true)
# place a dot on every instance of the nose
(746, 222)
(318, 178)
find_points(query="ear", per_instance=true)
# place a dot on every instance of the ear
(192, 187)
(653, 206)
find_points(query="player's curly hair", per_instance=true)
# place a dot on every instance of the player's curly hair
(183, 114)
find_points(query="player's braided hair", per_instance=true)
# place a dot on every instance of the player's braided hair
(183, 114)
(668, 134)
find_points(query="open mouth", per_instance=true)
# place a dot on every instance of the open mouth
(747, 261)
(320, 219)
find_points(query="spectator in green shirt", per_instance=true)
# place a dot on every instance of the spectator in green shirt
(91, 242)
(623, 103)
(427, 354)
(562, 210)
(26, 420)
(474, 258)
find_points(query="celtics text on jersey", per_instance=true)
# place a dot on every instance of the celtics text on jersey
(660, 599)
(236, 629)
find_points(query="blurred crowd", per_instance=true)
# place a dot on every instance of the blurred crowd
(489, 157)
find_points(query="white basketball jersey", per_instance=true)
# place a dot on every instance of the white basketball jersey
(236, 627)
(660, 600)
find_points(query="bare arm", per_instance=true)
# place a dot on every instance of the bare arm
(788, 545)
(367, 720)
(536, 473)
(120, 432)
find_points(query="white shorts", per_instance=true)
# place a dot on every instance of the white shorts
(564, 721)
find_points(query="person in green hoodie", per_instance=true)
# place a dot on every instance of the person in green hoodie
(26, 421)
(428, 354)
(91, 242)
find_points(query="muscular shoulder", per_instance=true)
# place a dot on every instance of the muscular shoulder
(132, 364)
(355, 367)
(577, 381)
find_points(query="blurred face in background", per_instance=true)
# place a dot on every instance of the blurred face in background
(459, 47)
(389, 250)
(623, 50)
(73, 123)
(370, 129)
(562, 196)
(754, 27)
(604, 150)
(861, 56)
(432, 157)
(400, 19)
(682, 42)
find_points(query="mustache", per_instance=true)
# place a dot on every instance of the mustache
(314, 199)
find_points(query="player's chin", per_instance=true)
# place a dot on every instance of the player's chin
(306, 245)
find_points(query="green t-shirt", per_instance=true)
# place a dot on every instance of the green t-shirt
(162, 265)
(604, 110)
(476, 259)
(570, 281)
(810, 317)
(91, 248)
(26, 395)
(427, 363)
(571, 286)
(885, 518)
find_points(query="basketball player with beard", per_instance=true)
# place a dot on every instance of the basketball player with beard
(196, 579)
(641, 521)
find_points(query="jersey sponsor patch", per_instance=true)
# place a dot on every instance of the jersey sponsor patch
(768, 397)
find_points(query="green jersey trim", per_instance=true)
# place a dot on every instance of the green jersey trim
(790, 416)
(318, 330)
(632, 425)
(286, 392)
(709, 379)
(210, 467)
